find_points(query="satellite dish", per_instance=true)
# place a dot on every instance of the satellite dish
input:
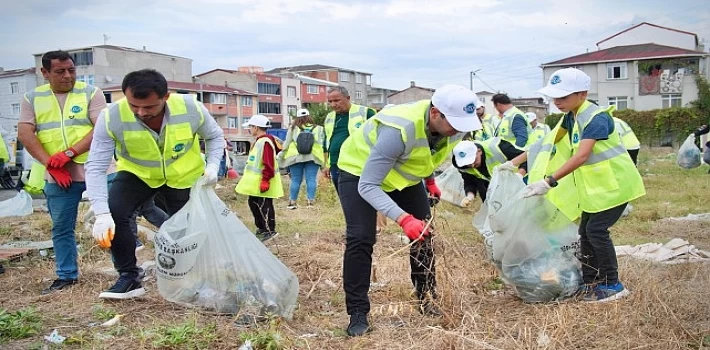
(109, 78)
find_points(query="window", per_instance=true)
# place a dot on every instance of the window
(269, 108)
(15, 108)
(344, 76)
(368, 80)
(218, 99)
(83, 58)
(312, 89)
(291, 91)
(269, 89)
(246, 101)
(358, 95)
(89, 79)
(244, 122)
(673, 100)
(616, 71)
(621, 102)
(292, 110)
(358, 78)
(232, 122)
(15, 88)
(107, 96)
(482, 99)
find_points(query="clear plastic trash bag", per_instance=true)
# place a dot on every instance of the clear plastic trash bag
(19, 205)
(450, 183)
(531, 243)
(206, 257)
(689, 156)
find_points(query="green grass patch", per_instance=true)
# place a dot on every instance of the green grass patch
(187, 335)
(20, 324)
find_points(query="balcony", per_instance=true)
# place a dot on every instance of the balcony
(216, 109)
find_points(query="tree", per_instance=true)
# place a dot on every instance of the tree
(318, 112)
(702, 104)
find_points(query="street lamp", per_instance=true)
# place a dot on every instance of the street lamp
(471, 75)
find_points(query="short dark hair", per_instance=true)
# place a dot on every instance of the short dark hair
(501, 99)
(144, 82)
(54, 55)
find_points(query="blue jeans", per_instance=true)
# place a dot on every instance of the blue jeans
(63, 206)
(335, 176)
(309, 170)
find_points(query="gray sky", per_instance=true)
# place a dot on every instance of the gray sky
(430, 42)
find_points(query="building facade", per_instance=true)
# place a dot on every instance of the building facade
(358, 83)
(644, 67)
(411, 94)
(107, 65)
(379, 97)
(13, 86)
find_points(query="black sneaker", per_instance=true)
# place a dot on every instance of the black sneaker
(2, 269)
(126, 287)
(358, 325)
(268, 235)
(57, 285)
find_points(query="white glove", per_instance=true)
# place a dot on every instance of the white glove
(537, 189)
(210, 176)
(466, 201)
(507, 166)
(104, 229)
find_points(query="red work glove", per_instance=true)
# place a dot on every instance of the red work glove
(413, 228)
(61, 176)
(433, 189)
(59, 159)
(264, 186)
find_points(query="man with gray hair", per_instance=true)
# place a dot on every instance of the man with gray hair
(342, 121)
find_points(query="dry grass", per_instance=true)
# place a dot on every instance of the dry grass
(669, 307)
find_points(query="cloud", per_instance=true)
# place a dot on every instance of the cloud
(430, 42)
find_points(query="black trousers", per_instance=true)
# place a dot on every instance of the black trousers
(598, 258)
(360, 219)
(263, 211)
(127, 193)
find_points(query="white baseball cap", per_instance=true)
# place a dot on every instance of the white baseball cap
(531, 117)
(565, 82)
(258, 120)
(302, 113)
(465, 153)
(458, 104)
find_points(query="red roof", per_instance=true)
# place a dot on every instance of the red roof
(652, 25)
(195, 87)
(627, 53)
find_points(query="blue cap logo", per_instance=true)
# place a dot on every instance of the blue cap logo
(555, 80)
(462, 154)
(75, 109)
(470, 108)
(179, 147)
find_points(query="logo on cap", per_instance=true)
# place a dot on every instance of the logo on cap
(555, 80)
(76, 109)
(462, 154)
(470, 108)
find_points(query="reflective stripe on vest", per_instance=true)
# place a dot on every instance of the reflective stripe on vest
(57, 129)
(628, 138)
(582, 120)
(418, 159)
(505, 128)
(357, 114)
(317, 151)
(178, 162)
(250, 182)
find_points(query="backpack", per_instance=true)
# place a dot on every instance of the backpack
(305, 140)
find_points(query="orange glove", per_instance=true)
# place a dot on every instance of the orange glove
(413, 228)
(433, 189)
(59, 159)
(264, 186)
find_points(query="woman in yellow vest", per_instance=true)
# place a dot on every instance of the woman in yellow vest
(261, 181)
(303, 155)
(603, 181)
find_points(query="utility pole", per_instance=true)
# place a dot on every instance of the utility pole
(471, 75)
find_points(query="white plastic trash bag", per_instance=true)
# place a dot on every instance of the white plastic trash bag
(450, 183)
(533, 244)
(19, 205)
(689, 156)
(206, 257)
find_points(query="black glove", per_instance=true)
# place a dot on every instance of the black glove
(702, 130)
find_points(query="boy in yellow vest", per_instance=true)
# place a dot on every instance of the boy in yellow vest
(261, 181)
(603, 178)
